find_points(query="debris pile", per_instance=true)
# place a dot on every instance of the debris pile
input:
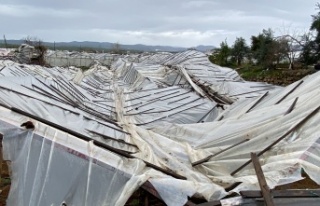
(175, 125)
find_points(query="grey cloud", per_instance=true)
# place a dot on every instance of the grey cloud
(189, 22)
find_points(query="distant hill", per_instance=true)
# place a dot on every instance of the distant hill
(108, 46)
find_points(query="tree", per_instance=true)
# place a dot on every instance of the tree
(281, 49)
(311, 50)
(263, 47)
(308, 49)
(116, 48)
(40, 49)
(239, 50)
(5, 41)
(297, 40)
(315, 25)
(223, 54)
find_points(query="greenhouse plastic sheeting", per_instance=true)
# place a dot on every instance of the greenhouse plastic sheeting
(169, 110)
(262, 126)
(45, 172)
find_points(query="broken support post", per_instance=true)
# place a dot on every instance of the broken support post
(262, 181)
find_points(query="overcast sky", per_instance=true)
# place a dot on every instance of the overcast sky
(154, 22)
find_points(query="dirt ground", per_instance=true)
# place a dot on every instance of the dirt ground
(4, 184)
(306, 183)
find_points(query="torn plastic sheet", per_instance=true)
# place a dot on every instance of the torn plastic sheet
(45, 172)
(262, 126)
(43, 155)
(164, 143)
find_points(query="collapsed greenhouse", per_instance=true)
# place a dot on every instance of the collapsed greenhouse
(175, 125)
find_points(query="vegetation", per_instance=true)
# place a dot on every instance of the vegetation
(40, 50)
(221, 55)
(239, 50)
(84, 68)
(267, 52)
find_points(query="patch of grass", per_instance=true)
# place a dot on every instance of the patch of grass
(279, 76)
(248, 72)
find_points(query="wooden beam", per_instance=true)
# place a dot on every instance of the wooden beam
(294, 88)
(149, 188)
(257, 102)
(210, 156)
(283, 193)
(165, 171)
(292, 106)
(211, 203)
(220, 118)
(232, 186)
(262, 181)
(95, 142)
